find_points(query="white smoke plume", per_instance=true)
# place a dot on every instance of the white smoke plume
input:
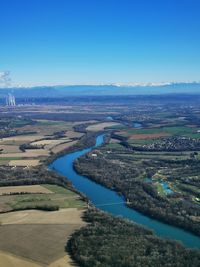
(5, 79)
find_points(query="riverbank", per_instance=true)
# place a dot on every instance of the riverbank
(87, 140)
(100, 195)
(115, 175)
(111, 241)
(172, 209)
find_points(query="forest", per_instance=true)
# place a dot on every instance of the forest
(108, 241)
(122, 171)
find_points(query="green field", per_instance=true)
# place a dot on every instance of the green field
(148, 154)
(11, 158)
(160, 189)
(160, 157)
(180, 130)
(117, 127)
(59, 190)
(51, 123)
(61, 198)
(170, 131)
(19, 123)
(114, 145)
(142, 141)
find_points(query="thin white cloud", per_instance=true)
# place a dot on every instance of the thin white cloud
(5, 79)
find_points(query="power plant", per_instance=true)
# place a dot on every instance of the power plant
(10, 100)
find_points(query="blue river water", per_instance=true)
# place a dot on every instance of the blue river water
(109, 201)
(137, 125)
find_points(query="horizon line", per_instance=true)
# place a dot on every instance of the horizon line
(143, 84)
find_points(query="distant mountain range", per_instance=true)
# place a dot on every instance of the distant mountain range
(95, 90)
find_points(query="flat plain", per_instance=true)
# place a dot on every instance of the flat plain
(24, 189)
(37, 238)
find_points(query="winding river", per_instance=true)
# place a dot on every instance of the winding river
(109, 201)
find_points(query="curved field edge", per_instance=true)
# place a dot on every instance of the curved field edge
(47, 234)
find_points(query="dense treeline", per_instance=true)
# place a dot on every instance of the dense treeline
(108, 241)
(124, 174)
(24, 147)
(36, 175)
(44, 207)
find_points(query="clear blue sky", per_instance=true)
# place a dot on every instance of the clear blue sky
(100, 41)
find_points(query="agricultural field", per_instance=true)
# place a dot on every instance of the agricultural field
(56, 198)
(54, 227)
(37, 140)
(10, 260)
(183, 138)
(162, 131)
(40, 138)
(6, 190)
(150, 156)
(101, 126)
(5, 149)
(29, 153)
(59, 148)
(18, 162)
(40, 244)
